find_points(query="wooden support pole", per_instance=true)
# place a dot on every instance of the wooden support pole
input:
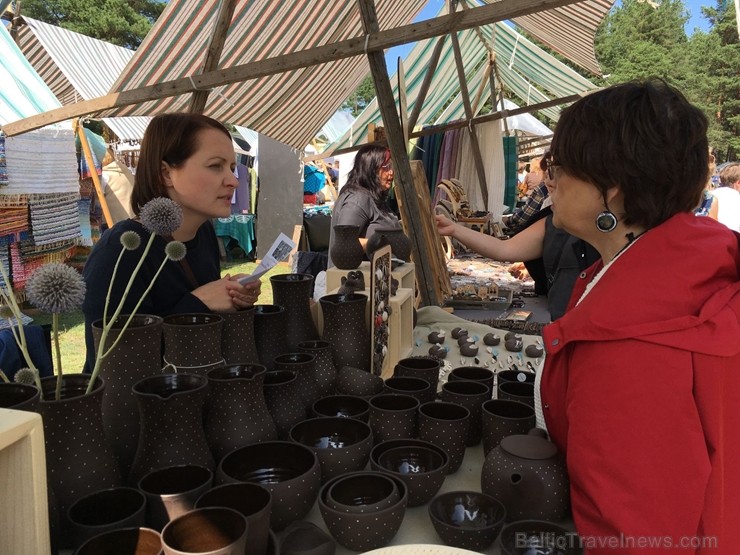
(411, 212)
(377, 41)
(80, 130)
(213, 55)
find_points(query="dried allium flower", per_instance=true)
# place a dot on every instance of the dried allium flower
(161, 216)
(130, 240)
(56, 288)
(6, 312)
(175, 250)
(25, 376)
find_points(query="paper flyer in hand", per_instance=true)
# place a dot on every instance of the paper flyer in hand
(279, 251)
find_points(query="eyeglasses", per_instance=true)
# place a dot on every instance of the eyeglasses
(547, 164)
(388, 166)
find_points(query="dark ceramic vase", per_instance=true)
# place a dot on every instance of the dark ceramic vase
(426, 368)
(345, 327)
(470, 395)
(237, 337)
(353, 381)
(137, 355)
(293, 291)
(527, 474)
(124, 541)
(501, 418)
(346, 251)
(303, 365)
(445, 425)
(325, 373)
(172, 491)
(270, 324)
(19, 396)
(289, 471)
(393, 416)
(236, 413)
(192, 342)
(105, 510)
(399, 242)
(253, 501)
(172, 433)
(79, 459)
(284, 402)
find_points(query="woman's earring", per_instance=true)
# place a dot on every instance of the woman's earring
(606, 221)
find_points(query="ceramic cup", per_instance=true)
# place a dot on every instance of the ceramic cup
(206, 531)
(501, 418)
(393, 416)
(124, 541)
(445, 425)
(517, 391)
(474, 373)
(411, 385)
(105, 510)
(471, 395)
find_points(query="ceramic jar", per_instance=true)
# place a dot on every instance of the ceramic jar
(526, 473)
(192, 342)
(303, 365)
(346, 251)
(284, 402)
(237, 337)
(445, 425)
(270, 324)
(345, 327)
(293, 292)
(399, 242)
(325, 373)
(470, 395)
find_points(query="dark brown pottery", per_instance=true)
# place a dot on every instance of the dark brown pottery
(172, 433)
(514, 376)
(303, 365)
(325, 373)
(467, 519)
(19, 396)
(426, 368)
(293, 291)
(409, 385)
(172, 491)
(346, 252)
(192, 342)
(345, 327)
(422, 474)
(283, 400)
(470, 395)
(474, 373)
(393, 416)
(517, 391)
(305, 538)
(362, 493)
(137, 355)
(399, 242)
(526, 473)
(445, 425)
(125, 541)
(354, 381)
(79, 459)
(363, 531)
(342, 444)
(253, 501)
(105, 510)
(525, 537)
(210, 530)
(270, 324)
(501, 418)
(237, 337)
(289, 471)
(236, 413)
(346, 406)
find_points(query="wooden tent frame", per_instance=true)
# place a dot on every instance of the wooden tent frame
(372, 44)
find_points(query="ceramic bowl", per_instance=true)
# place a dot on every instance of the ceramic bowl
(342, 444)
(537, 536)
(467, 519)
(345, 406)
(363, 531)
(406, 460)
(289, 471)
(363, 493)
(140, 541)
(422, 483)
(353, 381)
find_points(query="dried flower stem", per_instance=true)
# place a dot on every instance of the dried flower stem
(110, 287)
(58, 352)
(4, 377)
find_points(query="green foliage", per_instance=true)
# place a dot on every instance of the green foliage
(121, 22)
(362, 96)
(639, 40)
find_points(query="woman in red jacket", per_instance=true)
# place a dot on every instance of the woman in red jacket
(641, 388)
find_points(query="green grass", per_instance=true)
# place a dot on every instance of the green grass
(72, 325)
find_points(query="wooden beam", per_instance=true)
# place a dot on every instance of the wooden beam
(410, 212)
(377, 41)
(428, 76)
(477, 156)
(213, 55)
(87, 153)
(432, 129)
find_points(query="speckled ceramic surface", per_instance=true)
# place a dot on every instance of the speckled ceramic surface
(517, 391)
(303, 365)
(501, 418)
(345, 327)
(237, 337)
(19, 396)
(346, 406)
(192, 342)
(417, 387)
(293, 292)
(426, 368)
(283, 400)
(346, 251)
(270, 324)
(209, 530)
(471, 395)
(467, 519)
(325, 372)
(445, 425)
(393, 416)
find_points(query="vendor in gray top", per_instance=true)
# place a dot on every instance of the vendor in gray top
(363, 200)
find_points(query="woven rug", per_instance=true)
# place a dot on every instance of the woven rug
(41, 162)
(55, 218)
(3, 162)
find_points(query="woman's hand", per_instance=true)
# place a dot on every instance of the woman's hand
(445, 226)
(227, 294)
(249, 293)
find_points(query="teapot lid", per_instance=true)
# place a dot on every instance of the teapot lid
(529, 447)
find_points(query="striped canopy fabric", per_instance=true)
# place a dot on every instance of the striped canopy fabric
(78, 67)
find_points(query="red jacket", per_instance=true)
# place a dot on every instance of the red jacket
(641, 391)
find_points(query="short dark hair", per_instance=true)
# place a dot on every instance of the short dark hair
(644, 137)
(364, 173)
(729, 175)
(170, 138)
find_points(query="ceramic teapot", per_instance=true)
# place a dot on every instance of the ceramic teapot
(526, 473)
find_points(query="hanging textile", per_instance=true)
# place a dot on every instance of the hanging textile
(3, 162)
(41, 162)
(54, 218)
(83, 213)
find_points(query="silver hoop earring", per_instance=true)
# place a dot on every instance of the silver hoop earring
(606, 221)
